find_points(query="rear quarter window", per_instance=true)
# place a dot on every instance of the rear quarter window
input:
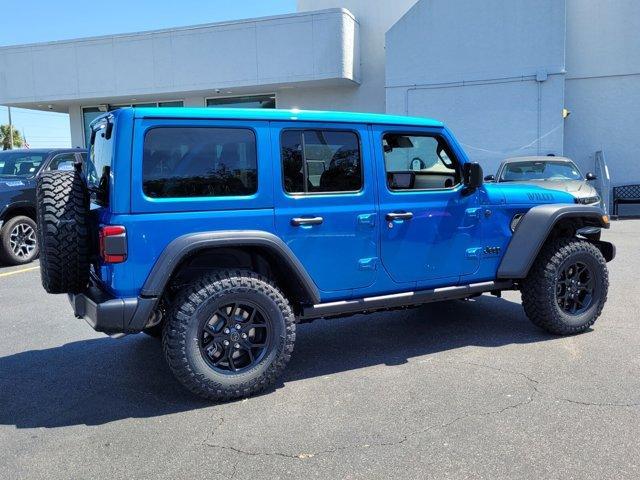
(199, 162)
(98, 166)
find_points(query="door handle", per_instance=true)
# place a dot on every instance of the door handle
(399, 216)
(300, 221)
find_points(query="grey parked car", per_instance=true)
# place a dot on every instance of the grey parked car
(558, 173)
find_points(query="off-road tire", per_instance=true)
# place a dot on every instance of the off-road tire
(539, 288)
(195, 303)
(7, 255)
(62, 207)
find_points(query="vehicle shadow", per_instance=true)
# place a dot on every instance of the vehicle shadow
(102, 380)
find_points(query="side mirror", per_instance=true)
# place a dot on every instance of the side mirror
(590, 176)
(472, 173)
(490, 178)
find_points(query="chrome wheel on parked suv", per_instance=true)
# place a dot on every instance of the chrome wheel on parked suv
(18, 243)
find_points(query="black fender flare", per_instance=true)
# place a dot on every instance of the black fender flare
(17, 205)
(189, 244)
(533, 230)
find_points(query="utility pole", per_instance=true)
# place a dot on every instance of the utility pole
(10, 130)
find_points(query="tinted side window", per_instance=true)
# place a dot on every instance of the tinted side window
(64, 161)
(199, 162)
(321, 161)
(418, 162)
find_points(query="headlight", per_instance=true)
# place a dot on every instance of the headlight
(587, 200)
(515, 221)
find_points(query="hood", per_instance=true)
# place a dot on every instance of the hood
(577, 188)
(528, 193)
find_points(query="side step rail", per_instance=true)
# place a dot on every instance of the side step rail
(405, 299)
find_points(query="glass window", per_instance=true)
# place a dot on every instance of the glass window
(418, 162)
(64, 161)
(89, 114)
(320, 161)
(20, 164)
(254, 101)
(177, 103)
(98, 167)
(199, 162)
(540, 170)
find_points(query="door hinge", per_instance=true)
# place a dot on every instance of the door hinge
(368, 263)
(367, 219)
(474, 212)
(474, 252)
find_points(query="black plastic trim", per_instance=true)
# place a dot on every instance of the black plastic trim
(111, 315)
(607, 249)
(186, 245)
(534, 228)
(404, 299)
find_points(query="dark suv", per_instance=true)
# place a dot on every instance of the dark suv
(18, 172)
(221, 229)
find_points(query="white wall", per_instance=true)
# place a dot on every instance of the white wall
(492, 70)
(310, 47)
(603, 85)
(374, 19)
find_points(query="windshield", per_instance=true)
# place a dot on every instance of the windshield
(539, 170)
(20, 164)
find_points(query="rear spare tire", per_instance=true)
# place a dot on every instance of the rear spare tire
(63, 233)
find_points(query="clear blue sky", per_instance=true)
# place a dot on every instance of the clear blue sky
(46, 20)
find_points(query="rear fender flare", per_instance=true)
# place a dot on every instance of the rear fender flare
(187, 245)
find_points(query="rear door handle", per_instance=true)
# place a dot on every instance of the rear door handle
(300, 221)
(399, 216)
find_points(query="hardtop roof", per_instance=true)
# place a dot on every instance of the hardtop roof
(284, 115)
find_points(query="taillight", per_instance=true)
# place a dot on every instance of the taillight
(113, 244)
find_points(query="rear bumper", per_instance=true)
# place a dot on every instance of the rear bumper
(111, 315)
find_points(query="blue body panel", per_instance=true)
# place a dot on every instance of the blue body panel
(355, 252)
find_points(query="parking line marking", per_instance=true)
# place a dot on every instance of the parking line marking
(18, 271)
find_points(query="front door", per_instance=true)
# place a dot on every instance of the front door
(430, 231)
(325, 204)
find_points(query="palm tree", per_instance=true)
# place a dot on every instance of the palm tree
(4, 138)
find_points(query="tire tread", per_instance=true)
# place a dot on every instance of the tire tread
(538, 289)
(175, 334)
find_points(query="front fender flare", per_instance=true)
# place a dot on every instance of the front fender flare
(533, 230)
(187, 245)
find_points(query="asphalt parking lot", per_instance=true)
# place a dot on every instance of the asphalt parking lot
(453, 390)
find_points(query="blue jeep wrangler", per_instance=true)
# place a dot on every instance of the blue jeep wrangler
(219, 230)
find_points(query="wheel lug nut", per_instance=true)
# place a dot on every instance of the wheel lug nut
(226, 330)
(237, 345)
(225, 343)
(244, 335)
(238, 327)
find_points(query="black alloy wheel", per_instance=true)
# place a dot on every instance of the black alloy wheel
(574, 288)
(236, 337)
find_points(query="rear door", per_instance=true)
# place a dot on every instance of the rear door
(324, 198)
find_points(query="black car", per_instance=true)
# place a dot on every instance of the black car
(18, 172)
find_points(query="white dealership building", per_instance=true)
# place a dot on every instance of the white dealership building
(510, 77)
